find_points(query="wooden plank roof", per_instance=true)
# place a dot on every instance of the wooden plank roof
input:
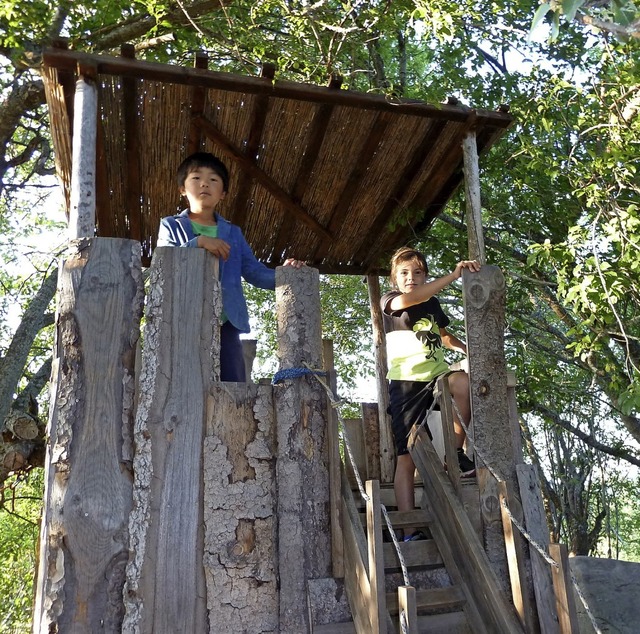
(334, 177)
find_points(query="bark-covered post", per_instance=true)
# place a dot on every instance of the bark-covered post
(302, 472)
(484, 307)
(82, 211)
(387, 446)
(84, 542)
(473, 202)
(165, 591)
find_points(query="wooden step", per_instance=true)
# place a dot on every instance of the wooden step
(417, 518)
(447, 623)
(422, 553)
(450, 598)
(335, 628)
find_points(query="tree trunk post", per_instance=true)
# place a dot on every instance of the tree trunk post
(484, 306)
(84, 543)
(387, 446)
(472, 198)
(82, 212)
(166, 588)
(302, 472)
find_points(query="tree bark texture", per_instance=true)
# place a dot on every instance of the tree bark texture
(302, 475)
(165, 590)
(240, 517)
(84, 542)
(484, 305)
(82, 211)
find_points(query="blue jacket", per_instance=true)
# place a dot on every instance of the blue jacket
(176, 231)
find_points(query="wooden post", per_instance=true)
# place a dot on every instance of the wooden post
(378, 603)
(84, 543)
(484, 302)
(82, 211)
(517, 559)
(165, 590)
(371, 429)
(472, 198)
(565, 603)
(302, 472)
(408, 607)
(335, 478)
(387, 446)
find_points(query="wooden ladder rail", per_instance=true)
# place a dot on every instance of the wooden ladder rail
(364, 561)
(459, 544)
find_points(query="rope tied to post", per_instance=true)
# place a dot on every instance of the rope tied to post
(294, 373)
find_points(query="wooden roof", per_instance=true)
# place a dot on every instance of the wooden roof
(331, 176)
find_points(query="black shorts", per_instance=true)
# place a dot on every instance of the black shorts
(409, 404)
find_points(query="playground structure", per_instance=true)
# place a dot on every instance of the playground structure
(176, 503)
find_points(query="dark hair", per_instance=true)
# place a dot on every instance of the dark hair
(406, 254)
(202, 159)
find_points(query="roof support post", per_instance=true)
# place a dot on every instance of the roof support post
(387, 446)
(82, 215)
(472, 198)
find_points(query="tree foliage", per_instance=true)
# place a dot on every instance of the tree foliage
(560, 192)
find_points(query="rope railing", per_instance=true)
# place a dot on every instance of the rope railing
(540, 549)
(335, 404)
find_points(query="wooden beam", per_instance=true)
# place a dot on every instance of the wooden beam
(356, 579)
(450, 450)
(472, 198)
(82, 217)
(268, 183)
(283, 89)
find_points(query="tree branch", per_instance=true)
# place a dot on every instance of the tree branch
(33, 320)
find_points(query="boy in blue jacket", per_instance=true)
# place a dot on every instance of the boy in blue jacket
(204, 179)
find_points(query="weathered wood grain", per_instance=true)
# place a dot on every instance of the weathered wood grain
(387, 446)
(84, 541)
(165, 577)
(536, 524)
(484, 302)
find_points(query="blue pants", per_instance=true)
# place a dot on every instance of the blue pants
(231, 357)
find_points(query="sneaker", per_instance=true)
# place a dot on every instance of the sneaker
(416, 536)
(467, 466)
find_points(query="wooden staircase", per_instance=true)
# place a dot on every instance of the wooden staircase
(441, 604)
